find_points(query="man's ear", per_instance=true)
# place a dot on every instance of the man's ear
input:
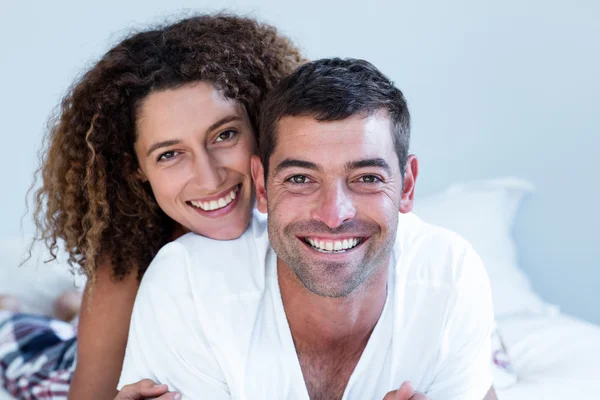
(410, 181)
(258, 175)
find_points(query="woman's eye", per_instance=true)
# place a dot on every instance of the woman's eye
(226, 135)
(298, 179)
(167, 155)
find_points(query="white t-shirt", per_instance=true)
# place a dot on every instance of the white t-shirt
(208, 321)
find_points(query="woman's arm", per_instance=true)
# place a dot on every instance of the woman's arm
(102, 335)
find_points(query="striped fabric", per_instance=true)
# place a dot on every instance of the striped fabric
(37, 356)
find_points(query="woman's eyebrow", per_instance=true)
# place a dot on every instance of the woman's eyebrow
(159, 145)
(167, 143)
(223, 121)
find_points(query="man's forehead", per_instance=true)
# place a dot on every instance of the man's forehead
(331, 143)
(355, 130)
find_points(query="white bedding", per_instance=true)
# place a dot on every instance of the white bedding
(554, 357)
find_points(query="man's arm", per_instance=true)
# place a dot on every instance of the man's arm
(166, 338)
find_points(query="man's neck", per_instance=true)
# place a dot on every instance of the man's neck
(322, 322)
(330, 334)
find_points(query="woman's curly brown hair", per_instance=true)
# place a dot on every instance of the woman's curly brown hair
(91, 198)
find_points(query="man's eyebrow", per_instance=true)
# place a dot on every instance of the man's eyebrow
(369, 162)
(295, 163)
(167, 143)
(159, 145)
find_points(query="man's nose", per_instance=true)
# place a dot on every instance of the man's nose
(335, 205)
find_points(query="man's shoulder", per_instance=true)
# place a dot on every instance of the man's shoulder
(431, 254)
(218, 267)
(211, 252)
(257, 228)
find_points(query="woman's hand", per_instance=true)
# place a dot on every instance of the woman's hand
(147, 389)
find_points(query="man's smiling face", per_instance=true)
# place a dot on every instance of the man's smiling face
(333, 194)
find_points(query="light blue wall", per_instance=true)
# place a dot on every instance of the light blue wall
(495, 89)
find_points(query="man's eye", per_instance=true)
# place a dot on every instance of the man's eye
(369, 179)
(226, 135)
(167, 155)
(298, 179)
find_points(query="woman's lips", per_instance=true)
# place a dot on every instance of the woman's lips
(217, 206)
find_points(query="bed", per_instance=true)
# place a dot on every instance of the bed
(554, 357)
(549, 355)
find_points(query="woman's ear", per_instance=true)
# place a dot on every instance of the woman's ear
(258, 175)
(139, 174)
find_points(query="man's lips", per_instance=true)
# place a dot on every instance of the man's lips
(334, 245)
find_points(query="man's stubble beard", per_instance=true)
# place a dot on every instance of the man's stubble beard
(288, 248)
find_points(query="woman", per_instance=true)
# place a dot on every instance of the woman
(152, 142)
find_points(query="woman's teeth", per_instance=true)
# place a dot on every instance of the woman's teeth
(333, 246)
(216, 204)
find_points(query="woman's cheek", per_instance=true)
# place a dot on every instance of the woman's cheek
(168, 182)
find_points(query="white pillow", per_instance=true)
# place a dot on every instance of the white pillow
(483, 212)
(36, 283)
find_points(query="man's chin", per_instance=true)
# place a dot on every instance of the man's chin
(331, 292)
(331, 287)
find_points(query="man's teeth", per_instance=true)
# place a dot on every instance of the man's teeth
(333, 245)
(216, 204)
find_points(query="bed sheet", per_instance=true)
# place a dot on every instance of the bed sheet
(554, 357)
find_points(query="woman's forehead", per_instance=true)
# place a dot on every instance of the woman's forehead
(185, 109)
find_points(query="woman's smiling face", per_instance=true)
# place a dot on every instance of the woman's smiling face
(194, 148)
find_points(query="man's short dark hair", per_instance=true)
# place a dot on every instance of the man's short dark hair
(334, 89)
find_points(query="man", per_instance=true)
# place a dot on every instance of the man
(350, 298)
